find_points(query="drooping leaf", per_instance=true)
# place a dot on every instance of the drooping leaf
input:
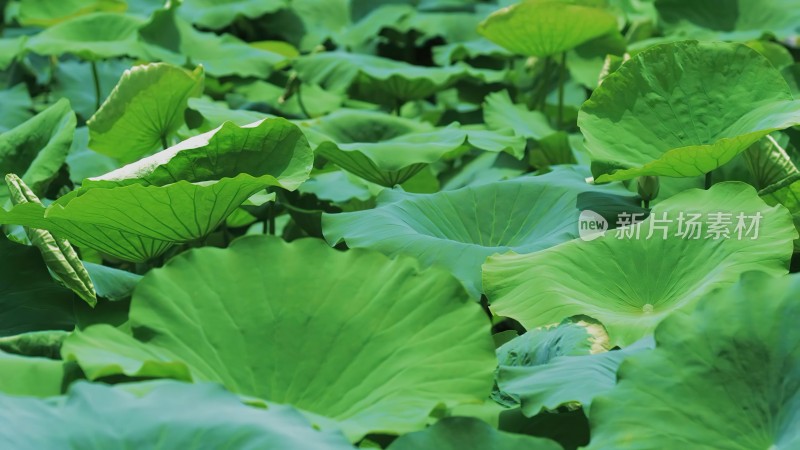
(91, 37)
(110, 283)
(633, 277)
(177, 195)
(547, 27)
(376, 78)
(732, 382)
(44, 14)
(167, 416)
(43, 344)
(769, 161)
(37, 148)
(463, 433)
(565, 380)
(729, 20)
(143, 111)
(459, 229)
(29, 376)
(787, 194)
(403, 342)
(389, 150)
(684, 109)
(29, 298)
(58, 254)
(215, 14)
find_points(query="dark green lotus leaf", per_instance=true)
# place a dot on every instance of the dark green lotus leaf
(10, 49)
(38, 148)
(565, 380)
(44, 344)
(143, 111)
(547, 27)
(459, 229)
(167, 416)
(444, 55)
(216, 14)
(379, 77)
(16, 107)
(730, 20)
(684, 109)
(91, 37)
(110, 283)
(173, 40)
(29, 298)
(381, 361)
(389, 150)
(29, 376)
(732, 382)
(464, 433)
(177, 195)
(770, 160)
(70, 81)
(630, 282)
(44, 14)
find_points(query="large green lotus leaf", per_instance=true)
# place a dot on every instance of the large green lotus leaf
(143, 111)
(726, 376)
(23, 375)
(730, 20)
(91, 36)
(379, 361)
(459, 229)
(38, 148)
(547, 27)
(378, 77)
(216, 14)
(565, 380)
(177, 195)
(29, 298)
(683, 109)
(465, 433)
(629, 282)
(10, 48)
(170, 415)
(389, 150)
(171, 39)
(39, 13)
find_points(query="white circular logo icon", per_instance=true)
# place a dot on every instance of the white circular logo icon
(591, 225)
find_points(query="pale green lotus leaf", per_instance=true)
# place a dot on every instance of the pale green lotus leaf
(633, 277)
(683, 109)
(726, 376)
(547, 27)
(404, 342)
(169, 415)
(460, 229)
(39, 13)
(145, 109)
(91, 37)
(10, 49)
(30, 376)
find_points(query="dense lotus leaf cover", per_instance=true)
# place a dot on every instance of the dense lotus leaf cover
(399, 224)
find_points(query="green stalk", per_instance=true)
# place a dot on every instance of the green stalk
(561, 77)
(96, 78)
(709, 180)
(546, 75)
